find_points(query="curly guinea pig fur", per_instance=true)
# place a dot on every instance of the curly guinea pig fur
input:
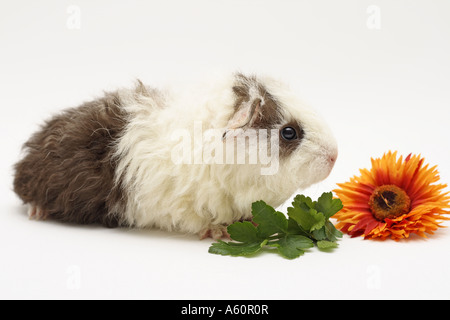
(139, 157)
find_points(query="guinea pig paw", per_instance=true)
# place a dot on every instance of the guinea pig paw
(215, 232)
(34, 212)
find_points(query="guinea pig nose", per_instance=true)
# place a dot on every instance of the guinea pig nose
(333, 157)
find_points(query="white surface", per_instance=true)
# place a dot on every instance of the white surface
(379, 89)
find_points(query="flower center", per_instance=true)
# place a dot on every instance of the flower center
(389, 201)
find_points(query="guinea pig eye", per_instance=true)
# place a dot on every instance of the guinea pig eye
(288, 133)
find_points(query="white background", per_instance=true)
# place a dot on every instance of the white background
(379, 89)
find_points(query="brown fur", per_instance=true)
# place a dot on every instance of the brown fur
(68, 170)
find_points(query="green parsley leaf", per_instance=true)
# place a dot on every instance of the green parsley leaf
(291, 245)
(327, 205)
(320, 234)
(294, 228)
(269, 221)
(304, 202)
(331, 232)
(309, 220)
(325, 245)
(236, 248)
(307, 225)
(243, 231)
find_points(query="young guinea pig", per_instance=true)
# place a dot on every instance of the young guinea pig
(185, 161)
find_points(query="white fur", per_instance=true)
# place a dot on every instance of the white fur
(194, 197)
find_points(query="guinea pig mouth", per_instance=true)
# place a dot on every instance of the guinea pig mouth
(323, 165)
(330, 162)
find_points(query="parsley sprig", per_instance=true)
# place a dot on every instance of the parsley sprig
(308, 225)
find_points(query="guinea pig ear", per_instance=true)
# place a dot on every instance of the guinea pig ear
(254, 107)
(248, 105)
(245, 114)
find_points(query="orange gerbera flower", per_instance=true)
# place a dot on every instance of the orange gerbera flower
(393, 199)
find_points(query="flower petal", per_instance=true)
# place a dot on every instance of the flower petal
(429, 204)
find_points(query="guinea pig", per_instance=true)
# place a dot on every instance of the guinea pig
(140, 157)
